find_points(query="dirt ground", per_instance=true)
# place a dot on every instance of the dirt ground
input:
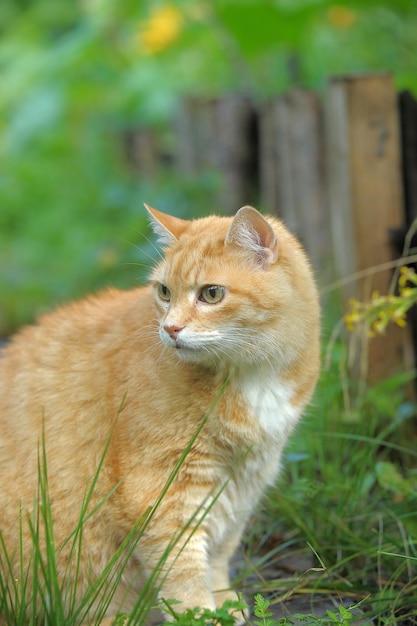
(295, 568)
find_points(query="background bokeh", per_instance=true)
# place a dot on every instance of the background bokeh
(77, 77)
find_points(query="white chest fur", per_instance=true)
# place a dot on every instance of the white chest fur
(268, 400)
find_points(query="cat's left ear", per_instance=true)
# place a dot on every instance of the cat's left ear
(166, 227)
(251, 231)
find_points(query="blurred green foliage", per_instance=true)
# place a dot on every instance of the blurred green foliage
(75, 76)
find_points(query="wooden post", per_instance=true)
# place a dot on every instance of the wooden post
(408, 109)
(292, 170)
(236, 140)
(366, 200)
(194, 128)
(220, 134)
(142, 151)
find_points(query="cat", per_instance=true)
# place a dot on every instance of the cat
(224, 339)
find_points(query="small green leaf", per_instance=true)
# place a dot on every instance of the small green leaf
(390, 478)
(344, 613)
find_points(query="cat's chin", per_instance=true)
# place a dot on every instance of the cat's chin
(192, 355)
(209, 361)
(187, 351)
(195, 356)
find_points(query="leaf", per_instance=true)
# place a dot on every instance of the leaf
(390, 479)
(38, 112)
(260, 26)
(261, 606)
(344, 613)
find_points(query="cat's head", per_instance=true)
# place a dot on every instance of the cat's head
(232, 290)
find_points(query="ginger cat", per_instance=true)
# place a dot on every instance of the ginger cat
(228, 330)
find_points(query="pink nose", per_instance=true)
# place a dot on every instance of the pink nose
(173, 330)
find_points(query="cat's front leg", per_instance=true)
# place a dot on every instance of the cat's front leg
(220, 573)
(196, 574)
(185, 573)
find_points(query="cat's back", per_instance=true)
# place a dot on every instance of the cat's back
(76, 326)
(77, 331)
(64, 373)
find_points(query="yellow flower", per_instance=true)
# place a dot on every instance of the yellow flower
(380, 325)
(403, 279)
(351, 320)
(161, 29)
(341, 17)
(407, 275)
(399, 316)
(408, 292)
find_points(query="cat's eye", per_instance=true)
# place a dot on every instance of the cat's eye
(212, 294)
(164, 293)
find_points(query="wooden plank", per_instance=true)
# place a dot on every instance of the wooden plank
(408, 116)
(309, 194)
(220, 134)
(236, 141)
(195, 136)
(340, 183)
(366, 200)
(408, 110)
(142, 151)
(268, 175)
(292, 169)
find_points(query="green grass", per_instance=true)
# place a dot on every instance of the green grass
(49, 600)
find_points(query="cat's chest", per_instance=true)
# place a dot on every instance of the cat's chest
(267, 404)
(261, 431)
(261, 418)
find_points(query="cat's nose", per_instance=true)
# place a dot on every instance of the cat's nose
(173, 330)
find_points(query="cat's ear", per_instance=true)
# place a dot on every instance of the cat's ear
(166, 227)
(251, 231)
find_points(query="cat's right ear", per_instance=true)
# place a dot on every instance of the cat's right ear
(166, 227)
(252, 232)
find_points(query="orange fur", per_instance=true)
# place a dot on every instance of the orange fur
(151, 368)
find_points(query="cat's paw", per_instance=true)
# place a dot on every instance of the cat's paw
(229, 595)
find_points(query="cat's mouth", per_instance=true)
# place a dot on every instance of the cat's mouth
(179, 344)
(186, 351)
(189, 347)
(183, 347)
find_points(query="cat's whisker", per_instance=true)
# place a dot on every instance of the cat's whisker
(152, 244)
(146, 266)
(257, 348)
(161, 355)
(152, 339)
(148, 331)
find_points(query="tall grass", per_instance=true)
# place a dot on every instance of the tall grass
(346, 504)
(37, 595)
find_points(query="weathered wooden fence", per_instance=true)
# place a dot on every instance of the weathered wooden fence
(340, 169)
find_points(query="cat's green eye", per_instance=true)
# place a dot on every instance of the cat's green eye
(212, 294)
(164, 293)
